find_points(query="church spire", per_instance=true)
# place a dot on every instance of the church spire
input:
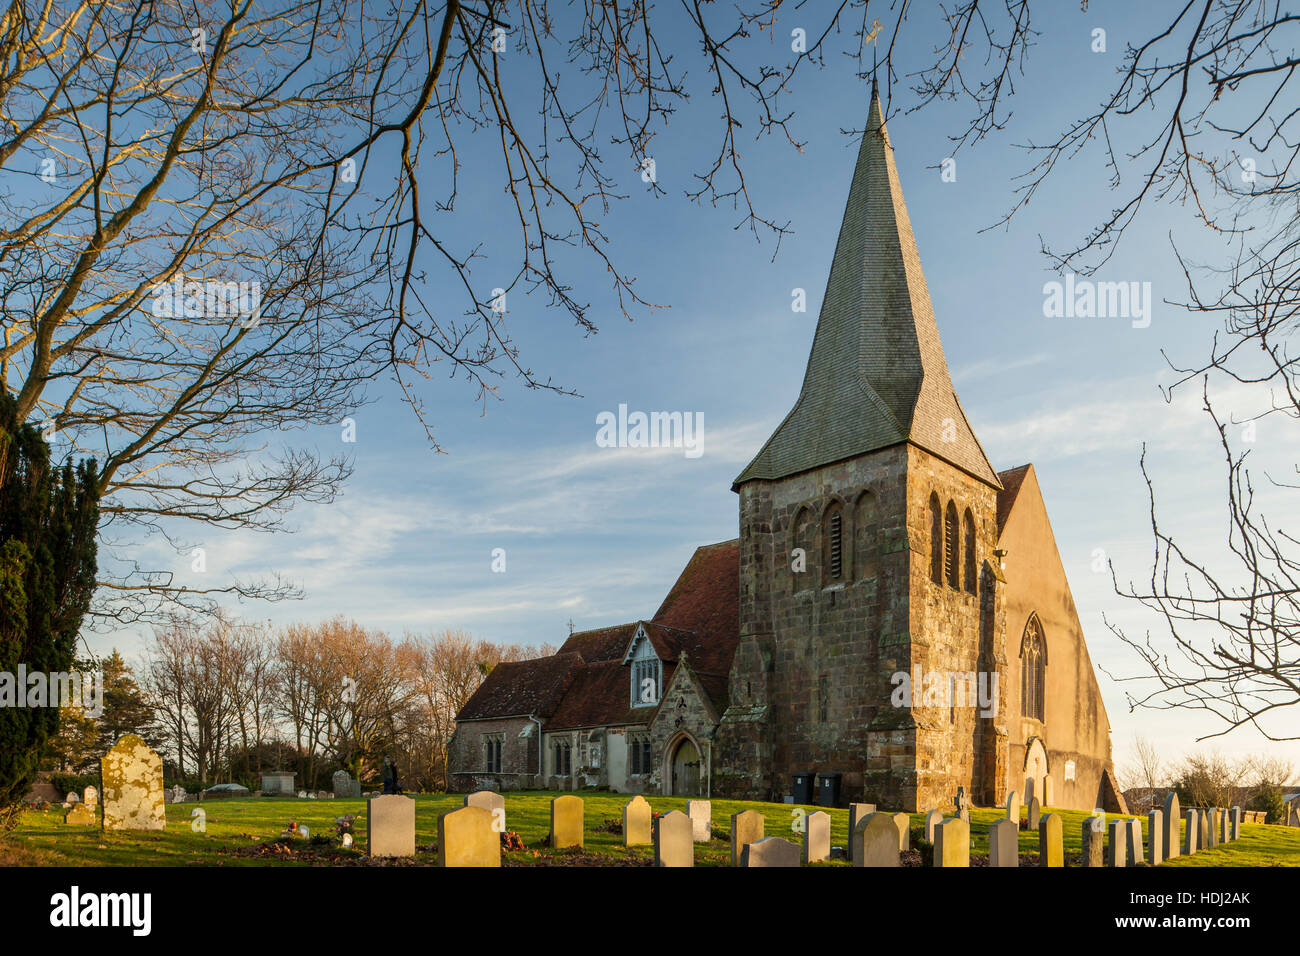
(876, 375)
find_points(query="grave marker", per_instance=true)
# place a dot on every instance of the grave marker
(133, 786)
(772, 851)
(674, 840)
(637, 830)
(567, 824)
(1004, 843)
(390, 826)
(952, 843)
(701, 814)
(1051, 841)
(466, 837)
(875, 841)
(817, 837)
(746, 827)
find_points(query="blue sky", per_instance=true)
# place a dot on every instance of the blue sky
(597, 535)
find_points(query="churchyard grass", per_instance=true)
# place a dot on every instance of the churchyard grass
(235, 826)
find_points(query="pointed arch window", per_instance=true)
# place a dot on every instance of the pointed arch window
(834, 559)
(936, 540)
(950, 546)
(1033, 667)
(866, 532)
(968, 551)
(801, 550)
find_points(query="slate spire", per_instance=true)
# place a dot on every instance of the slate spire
(876, 375)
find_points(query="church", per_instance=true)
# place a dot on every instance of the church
(893, 622)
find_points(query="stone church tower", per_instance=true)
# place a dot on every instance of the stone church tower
(868, 538)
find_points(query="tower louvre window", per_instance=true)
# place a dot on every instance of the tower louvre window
(936, 540)
(968, 527)
(834, 560)
(837, 545)
(950, 546)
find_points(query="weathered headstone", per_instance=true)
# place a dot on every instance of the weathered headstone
(637, 817)
(567, 823)
(1004, 843)
(1133, 841)
(875, 841)
(1213, 823)
(674, 839)
(390, 825)
(952, 843)
(90, 796)
(1156, 836)
(493, 803)
(1235, 828)
(701, 814)
(817, 837)
(81, 814)
(1013, 808)
(1171, 816)
(1203, 840)
(72, 799)
(964, 816)
(932, 821)
(1049, 793)
(1035, 812)
(904, 824)
(344, 786)
(1191, 833)
(466, 837)
(746, 827)
(1225, 825)
(1051, 840)
(772, 851)
(1094, 841)
(857, 813)
(133, 786)
(1115, 843)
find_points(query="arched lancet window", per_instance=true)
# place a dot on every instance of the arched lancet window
(801, 549)
(968, 536)
(1033, 666)
(834, 560)
(936, 540)
(866, 531)
(950, 546)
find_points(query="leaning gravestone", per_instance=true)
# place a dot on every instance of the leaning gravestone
(1051, 840)
(857, 813)
(133, 786)
(90, 796)
(1013, 808)
(1093, 841)
(904, 824)
(466, 837)
(637, 830)
(493, 803)
(701, 814)
(952, 843)
(390, 825)
(1225, 828)
(1133, 841)
(674, 839)
(1191, 833)
(772, 851)
(875, 841)
(1203, 840)
(1004, 843)
(1035, 812)
(1156, 836)
(1171, 817)
(1115, 855)
(567, 825)
(746, 827)
(1235, 826)
(932, 821)
(817, 837)
(81, 814)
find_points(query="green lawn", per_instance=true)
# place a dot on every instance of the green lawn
(239, 830)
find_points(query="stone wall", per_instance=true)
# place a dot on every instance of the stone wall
(467, 755)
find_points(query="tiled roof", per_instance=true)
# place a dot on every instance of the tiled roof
(876, 374)
(519, 688)
(600, 644)
(599, 697)
(1011, 480)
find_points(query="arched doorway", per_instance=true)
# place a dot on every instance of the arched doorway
(1036, 770)
(684, 768)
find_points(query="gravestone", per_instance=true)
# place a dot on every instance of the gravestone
(1213, 823)
(857, 813)
(133, 786)
(1013, 808)
(81, 814)
(493, 803)
(1235, 827)
(746, 827)
(1094, 841)
(817, 837)
(1049, 793)
(932, 821)
(1133, 841)
(390, 825)
(964, 816)
(1171, 817)
(875, 841)
(952, 843)
(1203, 840)
(1156, 836)
(1117, 835)
(1035, 812)
(701, 814)
(1225, 827)
(466, 837)
(772, 851)
(674, 840)
(1004, 843)
(904, 824)
(90, 796)
(637, 830)
(1051, 840)
(1191, 833)
(72, 799)
(344, 786)
(567, 823)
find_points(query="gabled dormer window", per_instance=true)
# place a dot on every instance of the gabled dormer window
(647, 673)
